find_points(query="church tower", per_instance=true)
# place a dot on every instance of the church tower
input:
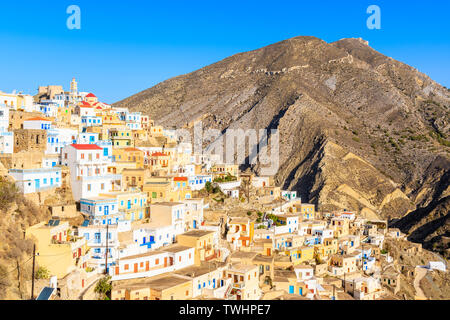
(73, 90)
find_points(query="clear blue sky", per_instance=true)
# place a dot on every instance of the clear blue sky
(124, 47)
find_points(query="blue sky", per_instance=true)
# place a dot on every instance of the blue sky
(124, 47)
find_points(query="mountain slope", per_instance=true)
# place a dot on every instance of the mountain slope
(358, 130)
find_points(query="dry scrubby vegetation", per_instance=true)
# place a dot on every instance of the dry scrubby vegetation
(16, 214)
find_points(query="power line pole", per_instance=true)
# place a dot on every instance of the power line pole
(32, 275)
(106, 252)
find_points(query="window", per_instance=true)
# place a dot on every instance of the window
(89, 187)
(126, 267)
(82, 156)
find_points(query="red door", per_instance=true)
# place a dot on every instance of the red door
(147, 266)
(79, 252)
(165, 262)
(60, 236)
(135, 267)
(117, 270)
(82, 283)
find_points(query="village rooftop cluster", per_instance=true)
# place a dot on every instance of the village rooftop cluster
(147, 219)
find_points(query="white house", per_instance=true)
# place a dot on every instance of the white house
(153, 235)
(37, 123)
(88, 170)
(154, 262)
(133, 120)
(36, 180)
(101, 210)
(6, 142)
(91, 121)
(260, 182)
(95, 236)
(437, 265)
(87, 138)
(58, 138)
(170, 213)
(193, 212)
(4, 118)
(289, 195)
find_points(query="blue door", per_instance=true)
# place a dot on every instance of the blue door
(195, 224)
(37, 183)
(291, 289)
(129, 204)
(214, 283)
(300, 291)
(106, 210)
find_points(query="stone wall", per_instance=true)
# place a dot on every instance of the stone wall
(30, 140)
(17, 117)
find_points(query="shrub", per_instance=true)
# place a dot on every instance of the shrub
(42, 273)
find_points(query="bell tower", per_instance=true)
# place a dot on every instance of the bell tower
(73, 90)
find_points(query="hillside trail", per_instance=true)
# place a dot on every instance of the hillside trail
(420, 273)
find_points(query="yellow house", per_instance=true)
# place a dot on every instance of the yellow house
(121, 137)
(129, 154)
(160, 161)
(301, 254)
(340, 226)
(135, 177)
(131, 292)
(307, 210)
(245, 281)
(225, 168)
(133, 204)
(165, 189)
(56, 248)
(162, 287)
(64, 115)
(109, 118)
(240, 231)
(325, 249)
(119, 167)
(202, 241)
(140, 135)
(170, 287)
(156, 131)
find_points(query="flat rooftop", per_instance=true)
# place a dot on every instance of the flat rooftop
(175, 248)
(166, 282)
(197, 233)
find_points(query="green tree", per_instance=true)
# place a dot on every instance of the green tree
(103, 288)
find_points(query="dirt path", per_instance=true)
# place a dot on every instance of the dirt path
(420, 273)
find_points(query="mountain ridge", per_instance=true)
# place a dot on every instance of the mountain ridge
(328, 100)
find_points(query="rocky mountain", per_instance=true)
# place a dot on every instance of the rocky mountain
(358, 130)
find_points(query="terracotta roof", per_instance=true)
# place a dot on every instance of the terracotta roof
(133, 149)
(91, 95)
(85, 104)
(38, 119)
(86, 147)
(180, 179)
(158, 154)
